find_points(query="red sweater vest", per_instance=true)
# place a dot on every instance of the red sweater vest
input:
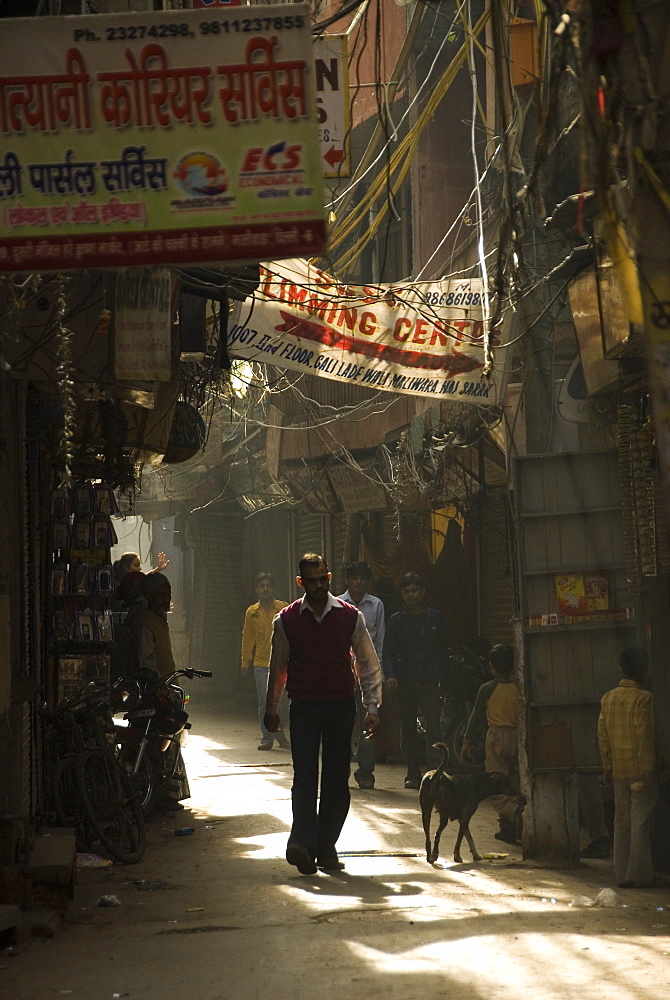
(320, 663)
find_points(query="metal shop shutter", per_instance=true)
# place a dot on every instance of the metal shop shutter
(336, 550)
(309, 533)
(268, 537)
(496, 593)
(217, 617)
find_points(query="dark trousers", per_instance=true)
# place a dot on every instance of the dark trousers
(324, 726)
(419, 697)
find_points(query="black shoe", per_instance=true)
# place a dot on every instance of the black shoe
(657, 882)
(299, 856)
(507, 836)
(331, 863)
(599, 848)
(412, 782)
(364, 780)
(265, 745)
(171, 805)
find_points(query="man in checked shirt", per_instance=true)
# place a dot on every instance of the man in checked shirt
(628, 754)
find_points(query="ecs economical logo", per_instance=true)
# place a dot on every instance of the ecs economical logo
(275, 171)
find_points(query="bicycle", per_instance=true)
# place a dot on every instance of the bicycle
(90, 789)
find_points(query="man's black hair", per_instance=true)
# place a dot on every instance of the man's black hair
(264, 576)
(634, 663)
(358, 569)
(412, 580)
(501, 657)
(311, 559)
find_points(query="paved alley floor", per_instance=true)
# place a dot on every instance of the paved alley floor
(219, 915)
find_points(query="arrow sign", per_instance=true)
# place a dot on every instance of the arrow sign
(331, 76)
(334, 156)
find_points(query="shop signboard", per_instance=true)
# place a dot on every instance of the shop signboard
(143, 324)
(417, 338)
(356, 489)
(163, 137)
(331, 74)
(213, 4)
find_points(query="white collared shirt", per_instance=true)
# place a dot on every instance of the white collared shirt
(366, 661)
(373, 612)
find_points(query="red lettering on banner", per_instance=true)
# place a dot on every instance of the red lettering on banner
(151, 94)
(401, 322)
(251, 160)
(319, 307)
(420, 331)
(46, 102)
(368, 323)
(460, 326)
(438, 334)
(269, 286)
(347, 318)
(454, 363)
(296, 295)
(261, 86)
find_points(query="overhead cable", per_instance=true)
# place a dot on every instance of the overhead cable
(399, 161)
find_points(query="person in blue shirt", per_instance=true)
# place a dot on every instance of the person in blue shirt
(358, 576)
(416, 663)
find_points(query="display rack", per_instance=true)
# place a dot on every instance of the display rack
(80, 584)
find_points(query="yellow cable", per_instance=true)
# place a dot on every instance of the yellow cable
(400, 156)
(652, 177)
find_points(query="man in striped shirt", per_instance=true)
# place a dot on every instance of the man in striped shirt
(627, 751)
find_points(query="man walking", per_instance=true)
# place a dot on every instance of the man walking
(358, 576)
(416, 659)
(627, 751)
(256, 639)
(312, 644)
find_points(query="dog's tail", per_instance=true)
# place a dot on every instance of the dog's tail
(439, 771)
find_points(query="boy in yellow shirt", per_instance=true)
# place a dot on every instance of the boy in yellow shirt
(497, 706)
(256, 641)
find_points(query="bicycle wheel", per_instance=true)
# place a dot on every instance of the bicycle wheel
(111, 805)
(148, 778)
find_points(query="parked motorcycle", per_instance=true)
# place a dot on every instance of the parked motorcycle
(149, 746)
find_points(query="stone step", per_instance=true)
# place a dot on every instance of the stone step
(42, 923)
(52, 857)
(12, 923)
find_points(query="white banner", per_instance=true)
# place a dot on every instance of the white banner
(423, 338)
(143, 324)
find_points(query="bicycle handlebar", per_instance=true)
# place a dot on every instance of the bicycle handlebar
(189, 672)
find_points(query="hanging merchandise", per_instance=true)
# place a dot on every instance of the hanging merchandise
(80, 584)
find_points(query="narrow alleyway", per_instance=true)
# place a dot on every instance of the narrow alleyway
(225, 918)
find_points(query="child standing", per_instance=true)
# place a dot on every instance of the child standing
(497, 706)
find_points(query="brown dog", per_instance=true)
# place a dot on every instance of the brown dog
(456, 797)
